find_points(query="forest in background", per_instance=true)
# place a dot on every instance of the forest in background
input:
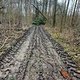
(62, 21)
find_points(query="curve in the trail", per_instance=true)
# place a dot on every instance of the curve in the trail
(37, 57)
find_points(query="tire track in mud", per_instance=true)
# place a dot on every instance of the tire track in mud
(35, 57)
(52, 59)
(12, 60)
(69, 64)
(44, 65)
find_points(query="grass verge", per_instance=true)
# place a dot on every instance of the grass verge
(68, 40)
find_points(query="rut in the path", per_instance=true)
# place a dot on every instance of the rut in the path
(37, 57)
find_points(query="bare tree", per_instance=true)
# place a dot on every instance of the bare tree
(54, 12)
(74, 10)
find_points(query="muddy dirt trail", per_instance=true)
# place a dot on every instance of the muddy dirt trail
(36, 56)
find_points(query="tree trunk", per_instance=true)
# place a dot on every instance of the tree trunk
(72, 20)
(54, 13)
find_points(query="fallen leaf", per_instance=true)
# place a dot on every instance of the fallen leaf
(64, 73)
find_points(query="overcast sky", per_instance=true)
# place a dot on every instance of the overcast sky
(59, 0)
(70, 4)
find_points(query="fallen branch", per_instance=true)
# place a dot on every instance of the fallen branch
(4, 43)
(39, 11)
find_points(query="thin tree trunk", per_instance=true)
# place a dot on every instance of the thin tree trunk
(72, 20)
(66, 11)
(54, 13)
(62, 17)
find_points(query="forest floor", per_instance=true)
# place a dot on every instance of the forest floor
(36, 56)
(70, 39)
(9, 35)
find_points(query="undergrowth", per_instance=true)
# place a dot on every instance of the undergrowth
(68, 40)
(39, 21)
